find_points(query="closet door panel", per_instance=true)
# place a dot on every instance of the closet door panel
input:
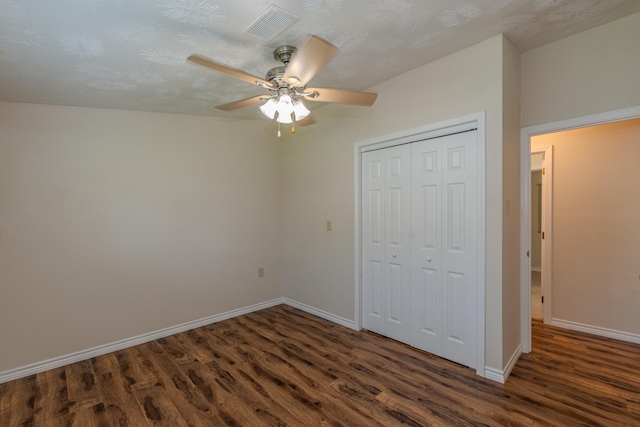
(373, 269)
(426, 247)
(386, 247)
(460, 202)
(397, 251)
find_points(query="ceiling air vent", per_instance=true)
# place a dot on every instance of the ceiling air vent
(270, 23)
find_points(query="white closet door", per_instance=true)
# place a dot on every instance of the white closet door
(386, 204)
(459, 247)
(419, 244)
(426, 254)
(444, 210)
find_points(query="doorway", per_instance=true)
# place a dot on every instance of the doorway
(525, 224)
(541, 219)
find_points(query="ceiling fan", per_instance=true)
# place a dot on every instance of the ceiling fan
(287, 84)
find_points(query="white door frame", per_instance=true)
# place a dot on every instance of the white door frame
(460, 124)
(547, 223)
(525, 202)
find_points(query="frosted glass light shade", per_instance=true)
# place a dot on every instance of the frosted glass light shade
(284, 118)
(300, 110)
(269, 108)
(285, 106)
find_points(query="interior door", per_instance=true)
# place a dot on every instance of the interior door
(386, 248)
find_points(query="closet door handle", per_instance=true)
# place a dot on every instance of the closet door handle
(394, 255)
(428, 259)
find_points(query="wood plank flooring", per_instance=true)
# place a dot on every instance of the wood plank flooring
(283, 367)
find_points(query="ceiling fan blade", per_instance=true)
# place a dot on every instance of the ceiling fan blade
(233, 72)
(309, 120)
(341, 96)
(309, 60)
(247, 102)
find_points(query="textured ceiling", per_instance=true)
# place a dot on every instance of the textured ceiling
(130, 54)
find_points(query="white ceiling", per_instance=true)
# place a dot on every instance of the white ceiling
(130, 54)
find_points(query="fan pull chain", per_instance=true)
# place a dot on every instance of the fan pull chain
(293, 125)
(279, 134)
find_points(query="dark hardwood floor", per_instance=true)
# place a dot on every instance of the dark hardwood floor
(281, 366)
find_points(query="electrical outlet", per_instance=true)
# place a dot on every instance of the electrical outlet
(329, 225)
(261, 272)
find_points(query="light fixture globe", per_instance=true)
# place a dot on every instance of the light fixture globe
(269, 108)
(285, 105)
(284, 118)
(300, 110)
(284, 109)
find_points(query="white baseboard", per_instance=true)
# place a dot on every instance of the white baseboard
(320, 313)
(596, 330)
(494, 374)
(57, 362)
(501, 376)
(512, 362)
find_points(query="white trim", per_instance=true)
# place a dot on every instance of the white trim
(546, 244)
(482, 244)
(60, 361)
(525, 241)
(502, 376)
(494, 374)
(433, 130)
(596, 330)
(321, 313)
(525, 214)
(512, 362)
(357, 274)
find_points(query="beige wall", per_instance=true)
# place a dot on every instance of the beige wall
(596, 206)
(510, 250)
(117, 223)
(591, 72)
(319, 176)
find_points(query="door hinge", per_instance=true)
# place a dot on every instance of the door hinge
(543, 234)
(543, 171)
(527, 254)
(542, 299)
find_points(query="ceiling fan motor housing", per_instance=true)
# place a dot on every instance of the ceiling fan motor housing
(275, 76)
(284, 53)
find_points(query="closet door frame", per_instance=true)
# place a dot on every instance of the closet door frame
(460, 124)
